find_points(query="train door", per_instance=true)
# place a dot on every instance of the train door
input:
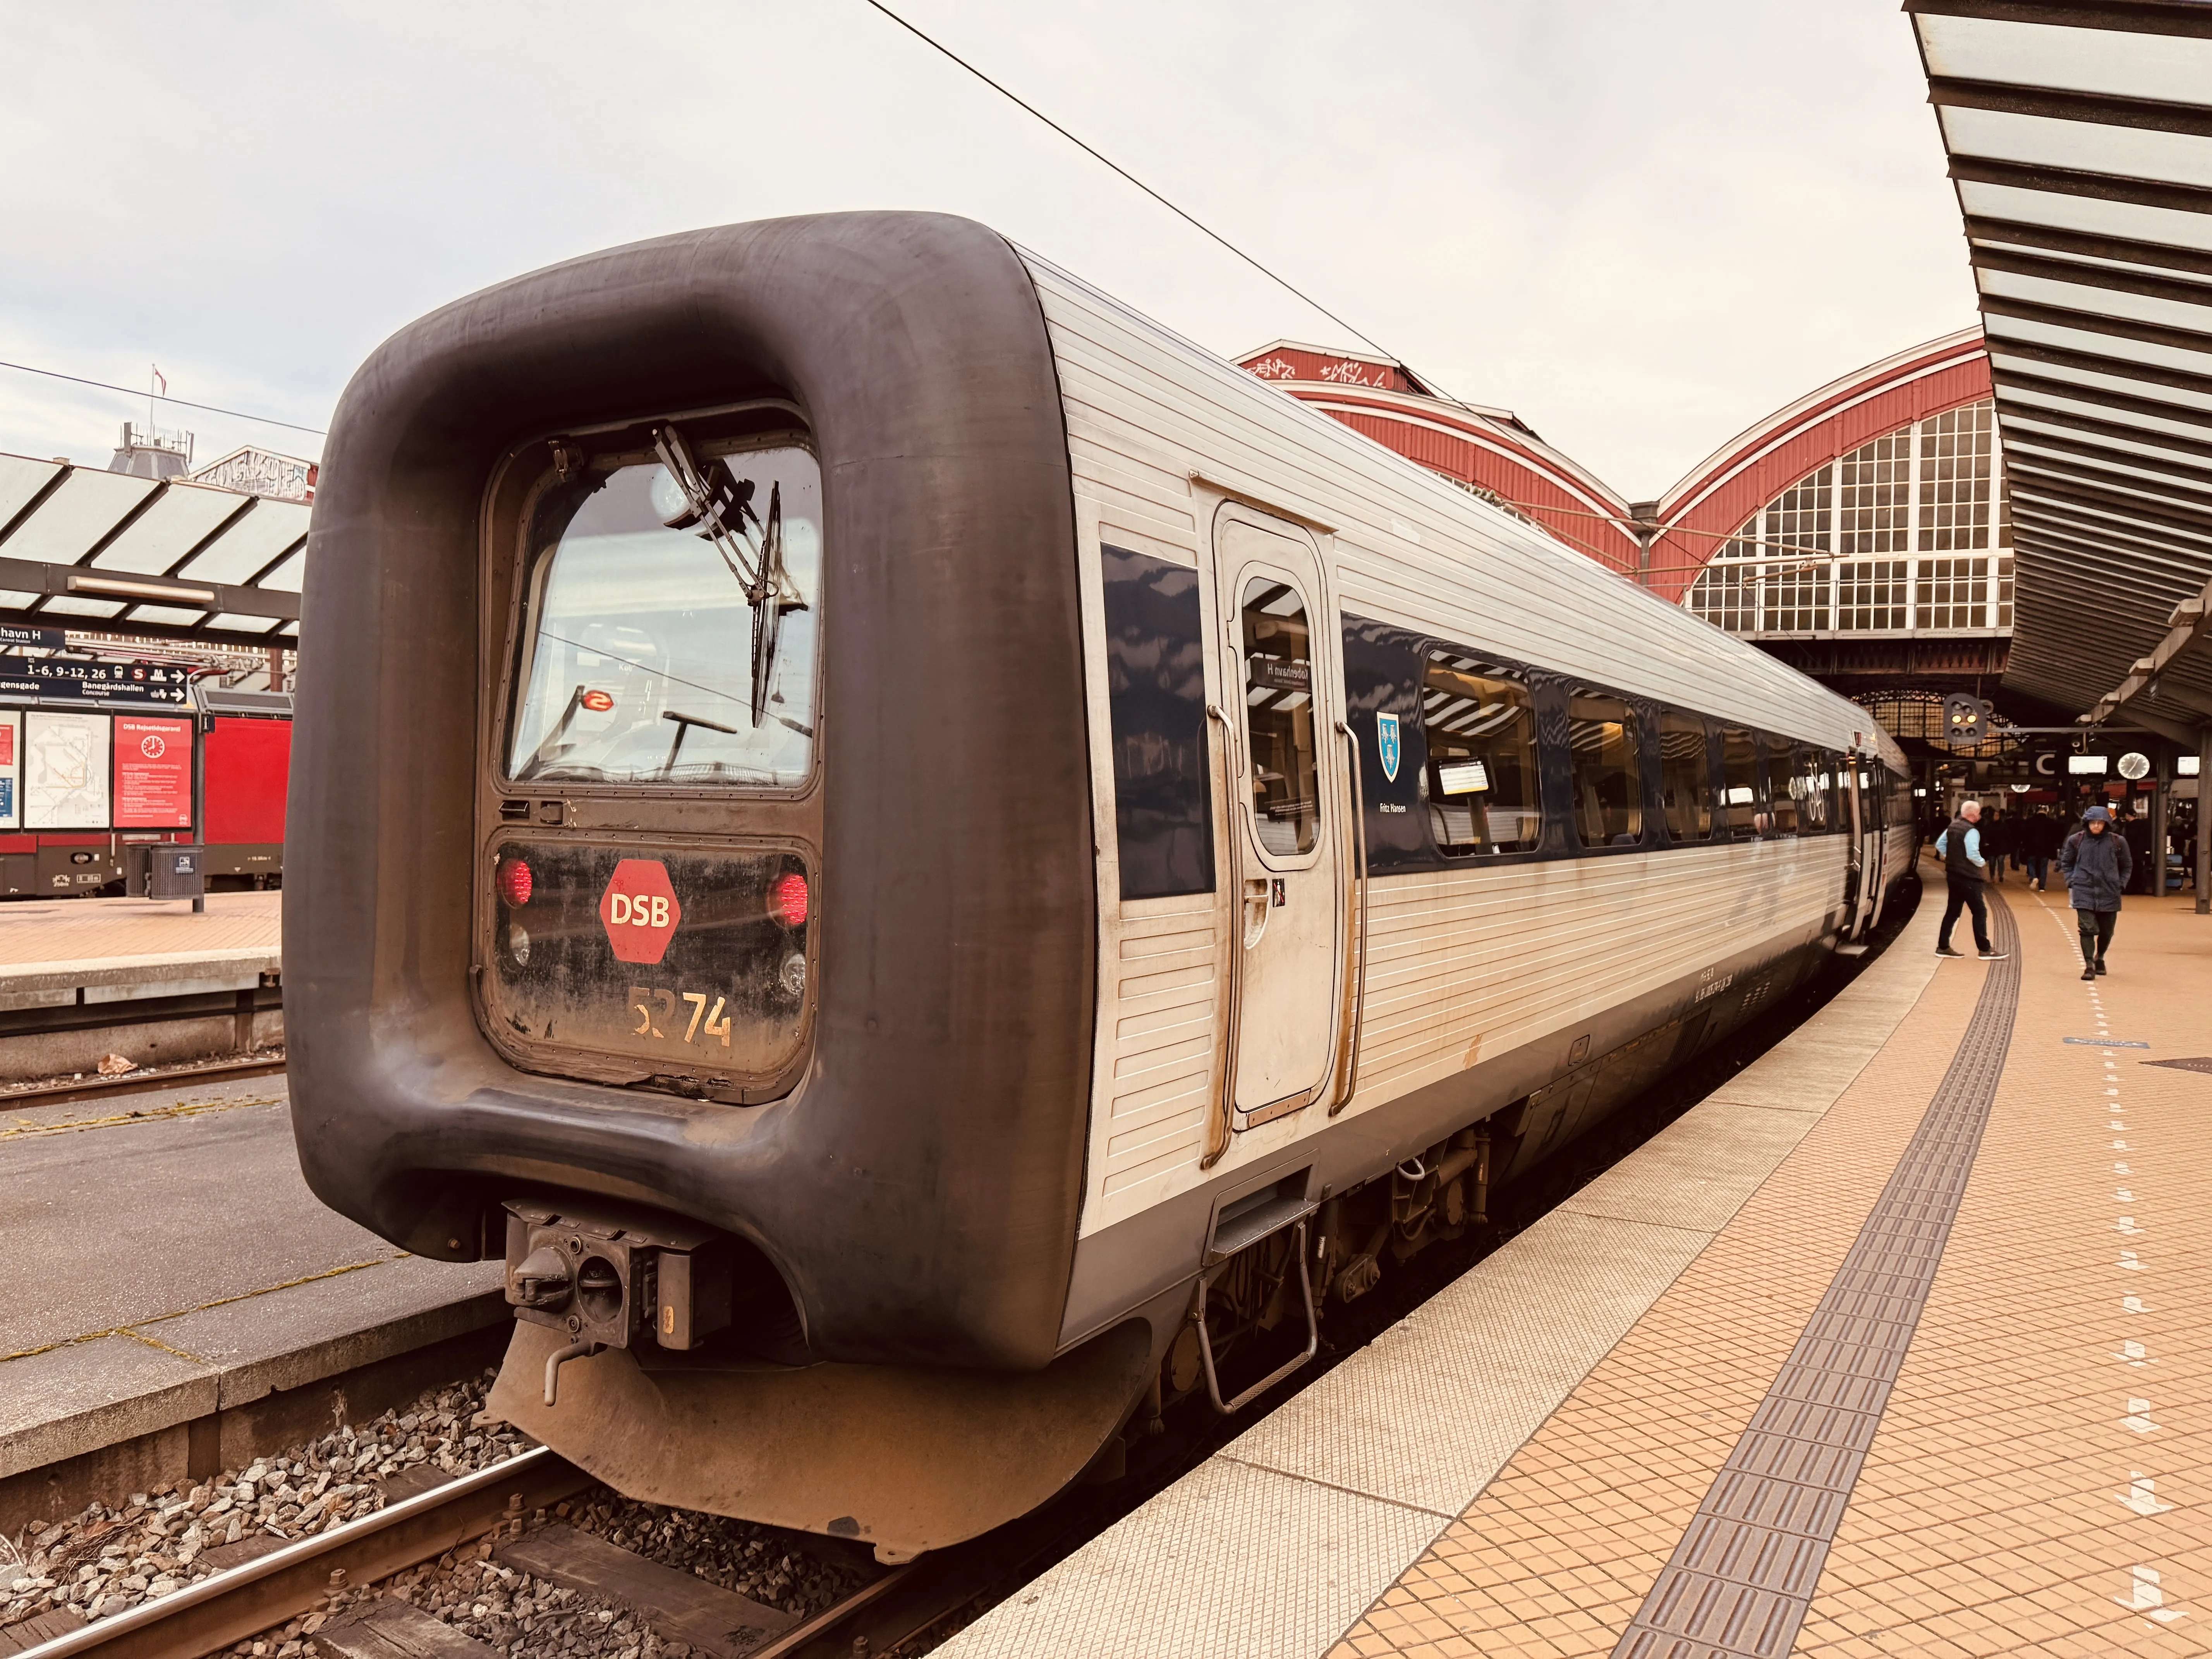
(1874, 844)
(1851, 801)
(1286, 875)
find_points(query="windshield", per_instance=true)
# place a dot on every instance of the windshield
(663, 645)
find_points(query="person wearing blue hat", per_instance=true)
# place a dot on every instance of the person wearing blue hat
(2096, 864)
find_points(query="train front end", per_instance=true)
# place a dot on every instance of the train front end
(690, 892)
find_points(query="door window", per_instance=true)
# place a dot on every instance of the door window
(1607, 773)
(1785, 768)
(1481, 732)
(1279, 716)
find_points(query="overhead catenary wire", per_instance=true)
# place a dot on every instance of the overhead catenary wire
(181, 402)
(1276, 277)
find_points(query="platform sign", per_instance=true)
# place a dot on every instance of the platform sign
(65, 770)
(153, 773)
(11, 769)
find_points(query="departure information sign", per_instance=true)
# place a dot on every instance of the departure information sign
(153, 773)
(143, 683)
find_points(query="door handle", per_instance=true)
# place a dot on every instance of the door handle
(1256, 906)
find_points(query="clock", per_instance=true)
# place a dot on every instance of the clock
(2134, 766)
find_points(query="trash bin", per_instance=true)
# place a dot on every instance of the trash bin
(174, 871)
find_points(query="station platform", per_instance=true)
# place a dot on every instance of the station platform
(1899, 1343)
(83, 978)
(179, 1302)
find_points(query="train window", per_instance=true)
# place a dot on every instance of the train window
(1784, 785)
(1743, 808)
(671, 613)
(1608, 775)
(1481, 732)
(1155, 696)
(1279, 716)
(1814, 783)
(1686, 777)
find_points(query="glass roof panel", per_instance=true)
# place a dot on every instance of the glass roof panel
(2063, 470)
(169, 529)
(2012, 398)
(2022, 442)
(1997, 326)
(77, 606)
(168, 614)
(250, 543)
(2181, 158)
(2020, 416)
(2104, 301)
(285, 578)
(2087, 214)
(12, 600)
(20, 479)
(242, 624)
(2174, 68)
(68, 521)
(2134, 261)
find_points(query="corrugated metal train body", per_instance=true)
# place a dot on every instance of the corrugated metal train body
(1462, 964)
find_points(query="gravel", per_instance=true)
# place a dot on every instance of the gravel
(105, 1560)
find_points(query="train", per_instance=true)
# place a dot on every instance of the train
(940, 872)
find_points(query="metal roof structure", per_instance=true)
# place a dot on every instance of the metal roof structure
(2080, 139)
(168, 559)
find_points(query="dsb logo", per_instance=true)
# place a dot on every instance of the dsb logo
(639, 910)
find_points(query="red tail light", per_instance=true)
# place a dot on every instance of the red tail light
(514, 883)
(786, 899)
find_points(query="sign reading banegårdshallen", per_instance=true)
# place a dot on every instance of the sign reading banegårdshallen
(145, 684)
(153, 773)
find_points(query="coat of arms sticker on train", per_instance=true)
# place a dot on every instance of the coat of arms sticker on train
(1386, 743)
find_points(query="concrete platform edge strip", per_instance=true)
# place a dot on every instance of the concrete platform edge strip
(1280, 1543)
(187, 1386)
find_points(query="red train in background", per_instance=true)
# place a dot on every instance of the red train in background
(239, 764)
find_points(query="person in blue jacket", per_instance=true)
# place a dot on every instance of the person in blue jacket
(2096, 864)
(1965, 870)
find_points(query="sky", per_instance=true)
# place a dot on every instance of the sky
(1642, 227)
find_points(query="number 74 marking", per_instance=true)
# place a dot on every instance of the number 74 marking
(643, 996)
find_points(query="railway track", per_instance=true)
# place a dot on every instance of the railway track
(493, 1504)
(141, 1082)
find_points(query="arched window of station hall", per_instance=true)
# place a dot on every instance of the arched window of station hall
(1907, 533)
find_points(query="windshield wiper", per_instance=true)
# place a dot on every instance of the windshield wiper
(683, 724)
(722, 505)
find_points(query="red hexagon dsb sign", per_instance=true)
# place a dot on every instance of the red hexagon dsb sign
(639, 910)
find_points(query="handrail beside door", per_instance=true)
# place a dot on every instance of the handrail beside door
(1355, 954)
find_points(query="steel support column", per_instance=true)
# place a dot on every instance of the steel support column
(2205, 820)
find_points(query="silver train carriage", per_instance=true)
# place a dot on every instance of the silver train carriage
(937, 868)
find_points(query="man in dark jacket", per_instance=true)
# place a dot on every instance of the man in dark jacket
(2041, 836)
(2096, 864)
(1960, 847)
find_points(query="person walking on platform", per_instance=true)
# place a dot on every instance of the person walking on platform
(1960, 847)
(1997, 845)
(2039, 840)
(2096, 864)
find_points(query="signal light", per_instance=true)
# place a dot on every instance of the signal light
(515, 883)
(786, 899)
(599, 702)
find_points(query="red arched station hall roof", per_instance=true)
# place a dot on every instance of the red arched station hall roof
(1488, 448)
(1752, 469)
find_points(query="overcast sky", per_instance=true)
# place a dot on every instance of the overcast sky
(1642, 227)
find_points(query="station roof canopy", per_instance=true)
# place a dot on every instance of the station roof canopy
(2080, 146)
(170, 559)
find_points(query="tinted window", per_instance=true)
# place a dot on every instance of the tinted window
(1686, 780)
(1608, 776)
(1155, 696)
(640, 662)
(1481, 732)
(1785, 785)
(1279, 710)
(1740, 804)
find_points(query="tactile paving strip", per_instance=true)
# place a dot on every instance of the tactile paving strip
(1738, 1584)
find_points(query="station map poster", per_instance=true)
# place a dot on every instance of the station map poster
(153, 773)
(65, 770)
(11, 769)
